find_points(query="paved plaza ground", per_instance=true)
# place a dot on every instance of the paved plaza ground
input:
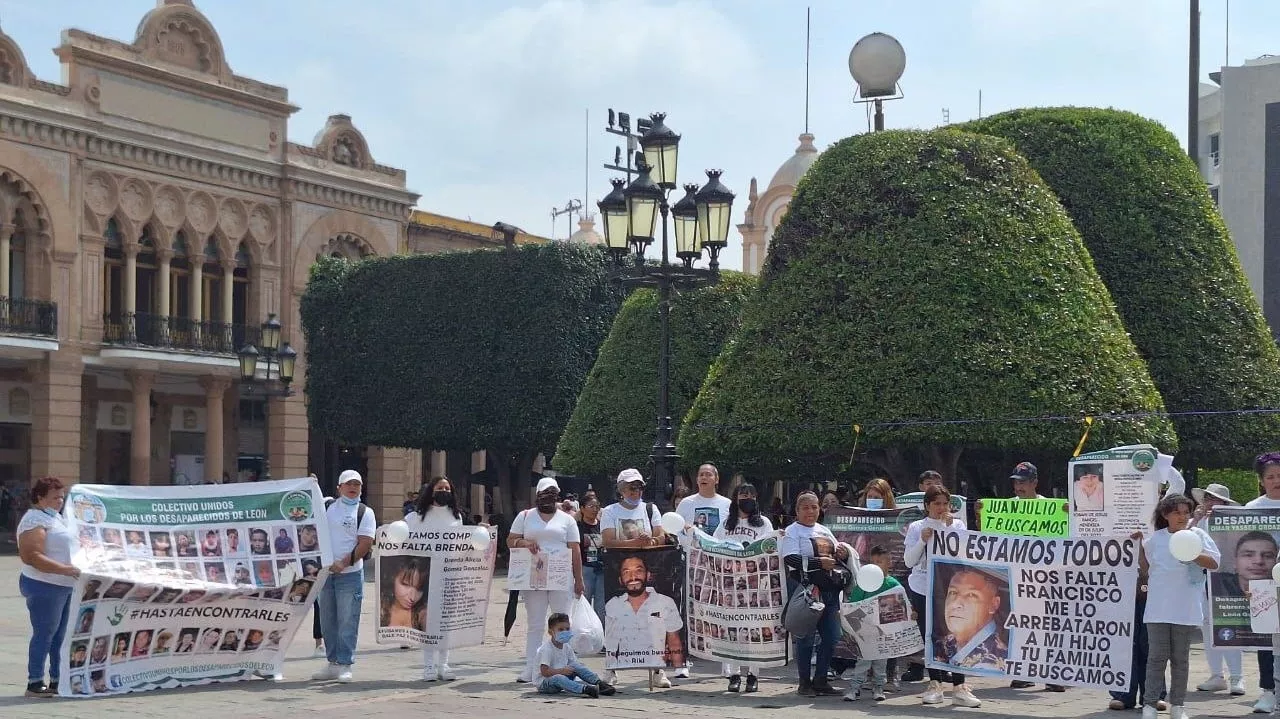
(388, 685)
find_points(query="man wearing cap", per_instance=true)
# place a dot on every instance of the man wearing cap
(351, 530)
(1217, 495)
(974, 637)
(631, 523)
(545, 528)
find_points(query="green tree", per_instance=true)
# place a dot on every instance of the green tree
(460, 351)
(1162, 249)
(612, 426)
(921, 277)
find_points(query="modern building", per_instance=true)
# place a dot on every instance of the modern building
(1239, 140)
(153, 212)
(765, 211)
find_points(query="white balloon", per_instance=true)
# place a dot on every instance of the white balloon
(1185, 545)
(480, 539)
(1275, 572)
(672, 523)
(396, 532)
(870, 577)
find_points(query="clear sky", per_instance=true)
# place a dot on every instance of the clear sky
(483, 101)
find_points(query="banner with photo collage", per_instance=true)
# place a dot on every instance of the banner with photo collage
(644, 626)
(189, 585)
(433, 588)
(736, 596)
(1248, 539)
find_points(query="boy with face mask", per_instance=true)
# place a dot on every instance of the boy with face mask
(558, 665)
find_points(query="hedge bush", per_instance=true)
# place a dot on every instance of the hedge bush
(1160, 246)
(613, 424)
(921, 276)
(460, 351)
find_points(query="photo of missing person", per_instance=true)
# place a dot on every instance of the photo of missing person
(301, 589)
(214, 572)
(264, 573)
(187, 640)
(241, 576)
(84, 622)
(91, 590)
(970, 606)
(308, 538)
(79, 653)
(161, 544)
(166, 596)
(211, 544)
(136, 544)
(643, 623)
(235, 543)
(1088, 491)
(283, 541)
(259, 541)
(117, 590)
(230, 641)
(111, 538)
(120, 650)
(98, 680)
(77, 684)
(274, 638)
(101, 646)
(186, 542)
(142, 593)
(402, 591)
(252, 640)
(89, 537)
(164, 643)
(288, 571)
(192, 596)
(1246, 556)
(893, 608)
(141, 643)
(209, 641)
(311, 567)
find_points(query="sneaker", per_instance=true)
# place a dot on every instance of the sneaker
(1237, 687)
(446, 673)
(277, 677)
(962, 697)
(753, 684)
(329, 673)
(877, 695)
(1149, 712)
(1178, 712)
(1215, 683)
(682, 673)
(735, 683)
(37, 690)
(660, 679)
(318, 651)
(1058, 688)
(1266, 703)
(590, 690)
(892, 686)
(606, 689)
(932, 693)
(1019, 684)
(430, 674)
(524, 677)
(344, 675)
(611, 677)
(852, 695)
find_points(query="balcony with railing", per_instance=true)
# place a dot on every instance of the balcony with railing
(34, 318)
(181, 334)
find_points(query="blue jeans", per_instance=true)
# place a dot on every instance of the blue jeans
(48, 605)
(593, 579)
(340, 616)
(823, 641)
(557, 683)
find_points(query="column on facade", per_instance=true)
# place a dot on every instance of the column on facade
(439, 464)
(140, 433)
(131, 278)
(197, 297)
(388, 482)
(228, 296)
(215, 389)
(162, 307)
(56, 422)
(6, 239)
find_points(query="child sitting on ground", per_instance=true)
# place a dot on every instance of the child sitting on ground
(561, 671)
(878, 556)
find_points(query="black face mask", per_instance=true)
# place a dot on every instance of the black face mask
(442, 498)
(547, 505)
(747, 505)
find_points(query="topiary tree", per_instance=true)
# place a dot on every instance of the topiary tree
(921, 277)
(612, 426)
(460, 351)
(1160, 246)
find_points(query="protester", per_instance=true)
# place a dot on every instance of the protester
(804, 544)
(45, 543)
(631, 522)
(545, 526)
(878, 668)
(1216, 495)
(351, 530)
(437, 507)
(558, 667)
(937, 505)
(707, 508)
(1267, 467)
(744, 523)
(1174, 612)
(1123, 701)
(878, 495)
(592, 566)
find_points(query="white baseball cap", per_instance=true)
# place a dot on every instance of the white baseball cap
(350, 475)
(629, 475)
(547, 483)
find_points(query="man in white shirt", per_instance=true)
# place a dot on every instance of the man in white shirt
(631, 523)
(642, 627)
(351, 530)
(707, 509)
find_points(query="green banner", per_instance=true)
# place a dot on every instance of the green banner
(1025, 517)
(274, 506)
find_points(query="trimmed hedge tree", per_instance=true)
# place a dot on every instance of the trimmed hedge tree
(613, 424)
(1163, 251)
(460, 351)
(921, 276)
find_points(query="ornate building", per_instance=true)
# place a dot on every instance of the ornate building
(765, 211)
(153, 212)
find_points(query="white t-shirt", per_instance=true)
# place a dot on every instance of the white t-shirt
(798, 539)
(560, 530)
(436, 517)
(630, 523)
(1263, 502)
(705, 513)
(343, 531)
(554, 657)
(918, 580)
(1176, 586)
(58, 543)
(743, 532)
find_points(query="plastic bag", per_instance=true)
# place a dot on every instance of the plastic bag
(588, 632)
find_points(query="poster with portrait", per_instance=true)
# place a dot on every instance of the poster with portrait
(863, 529)
(644, 626)
(550, 569)
(915, 500)
(881, 627)
(433, 588)
(735, 600)
(189, 585)
(1058, 611)
(1113, 493)
(1248, 539)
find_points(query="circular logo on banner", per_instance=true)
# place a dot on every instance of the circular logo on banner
(1143, 460)
(88, 508)
(1226, 634)
(296, 506)
(769, 545)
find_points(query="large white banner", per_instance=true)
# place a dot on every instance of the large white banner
(881, 626)
(1058, 611)
(736, 595)
(1113, 493)
(433, 588)
(189, 585)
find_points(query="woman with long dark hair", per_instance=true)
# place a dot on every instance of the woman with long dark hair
(745, 524)
(437, 508)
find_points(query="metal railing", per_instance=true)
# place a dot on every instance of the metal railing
(144, 329)
(22, 316)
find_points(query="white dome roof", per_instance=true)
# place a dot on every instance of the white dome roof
(586, 233)
(798, 164)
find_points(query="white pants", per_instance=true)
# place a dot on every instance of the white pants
(538, 605)
(1217, 657)
(432, 657)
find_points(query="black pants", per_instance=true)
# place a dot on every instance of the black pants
(1266, 671)
(315, 622)
(937, 675)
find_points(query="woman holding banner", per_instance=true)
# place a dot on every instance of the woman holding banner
(437, 508)
(47, 577)
(807, 543)
(937, 505)
(745, 524)
(1267, 466)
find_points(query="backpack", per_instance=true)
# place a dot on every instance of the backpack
(359, 518)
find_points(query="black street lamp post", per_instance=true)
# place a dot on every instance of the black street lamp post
(701, 220)
(269, 372)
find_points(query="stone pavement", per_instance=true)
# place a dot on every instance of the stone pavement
(388, 684)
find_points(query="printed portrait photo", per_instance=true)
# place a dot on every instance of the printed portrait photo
(112, 538)
(237, 545)
(101, 647)
(259, 541)
(211, 543)
(274, 638)
(264, 573)
(308, 538)
(186, 543)
(209, 640)
(311, 567)
(78, 685)
(215, 572)
(191, 596)
(970, 606)
(84, 622)
(136, 544)
(166, 595)
(98, 681)
(402, 595)
(893, 608)
(142, 593)
(92, 590)
(141, 643)
(89, 537)
(187, 640)
(300, 590)
(79, 653)
(643, 624)
(161, 544)
(252, 640)
(120, 648)
(1088, 491)
(230, 640)
(283, 540)
(164, 643)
